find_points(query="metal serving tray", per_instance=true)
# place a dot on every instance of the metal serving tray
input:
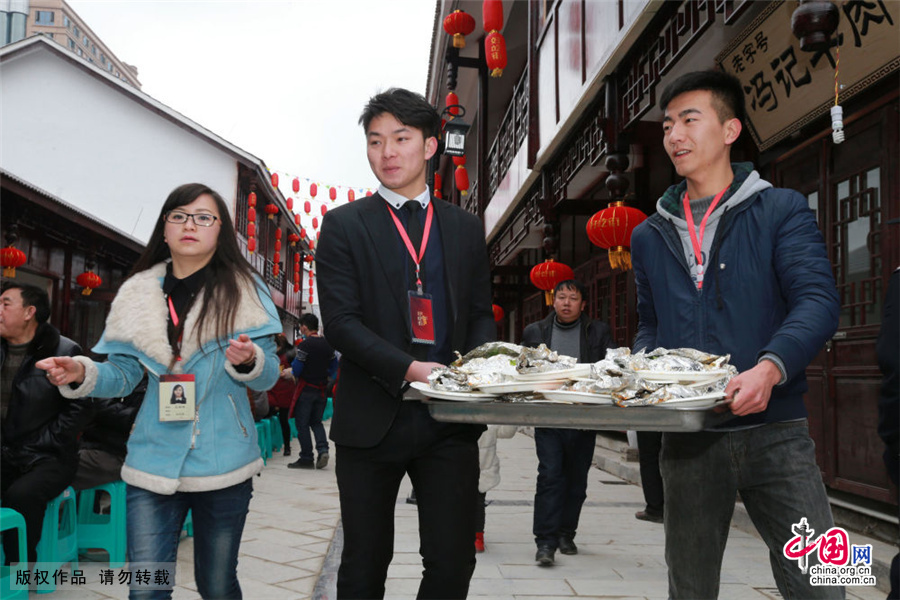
(575, 416)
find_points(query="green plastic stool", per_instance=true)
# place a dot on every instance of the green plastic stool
(275, 433)
(59, 537)
(329, 410)
(262, 438)
(10, 519)
(293, 425)
(188, 526)
(103, 531)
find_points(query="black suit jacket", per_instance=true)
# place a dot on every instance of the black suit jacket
(365, 308)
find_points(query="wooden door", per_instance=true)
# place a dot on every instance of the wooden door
(852, 187)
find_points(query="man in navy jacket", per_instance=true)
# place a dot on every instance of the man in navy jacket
(731, 265)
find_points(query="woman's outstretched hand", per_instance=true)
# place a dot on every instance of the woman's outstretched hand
(240, 351)
(62, 370)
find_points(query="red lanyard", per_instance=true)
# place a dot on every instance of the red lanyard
(174, 316)
(405, 237)
(696, 240)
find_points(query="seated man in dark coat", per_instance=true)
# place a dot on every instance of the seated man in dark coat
(39, 427)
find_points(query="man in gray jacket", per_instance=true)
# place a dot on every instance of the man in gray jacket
(564, 455)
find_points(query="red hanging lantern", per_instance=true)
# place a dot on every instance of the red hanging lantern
(251, 199)
(275, 269)
(547, 274)
(296, 261)
(452, 101)
(290, 203)
(312, 244)
(302, 234)
(251, 245)
(437, 186)
(316, 222)
(309, 258)
(461, 176)
(278, 234)
(459, 24)
(495, 53)
(295, 185)
(492, 15)
(297, 220)
(324, 210)
(368, 192)
(88, 280)
(351, 195)
(611, 228)
(251, 229)
(332, 193)
(498, 312)
(251, 214)
(271, 210)
(307, 207)
(462, 180)
(276, 258)
(293, 238)
(11, 258)
(318, 235)
(275, 180)
(296, 288)
(277, 245)
(313, 190)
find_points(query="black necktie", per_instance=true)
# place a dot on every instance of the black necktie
(414, 230)
(413, 225)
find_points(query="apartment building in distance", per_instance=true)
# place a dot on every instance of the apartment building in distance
(57, 20)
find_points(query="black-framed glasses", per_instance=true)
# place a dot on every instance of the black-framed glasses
(200, 219)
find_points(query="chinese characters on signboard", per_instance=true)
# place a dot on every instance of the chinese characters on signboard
(786, 88)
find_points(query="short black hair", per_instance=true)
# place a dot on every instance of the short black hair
(570, 284)
(727, 93)
(31, 296)
(310, 321)
(410, 108)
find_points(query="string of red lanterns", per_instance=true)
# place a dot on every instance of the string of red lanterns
(494, 42)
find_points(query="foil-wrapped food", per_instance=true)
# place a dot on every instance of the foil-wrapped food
(543, 360)
(496, 362)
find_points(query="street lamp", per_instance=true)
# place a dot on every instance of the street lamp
(455, 132)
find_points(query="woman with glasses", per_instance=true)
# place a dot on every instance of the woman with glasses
(192, 312)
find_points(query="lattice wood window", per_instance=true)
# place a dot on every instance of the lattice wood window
(857, 247)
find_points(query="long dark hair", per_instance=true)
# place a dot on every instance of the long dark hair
(224, 271)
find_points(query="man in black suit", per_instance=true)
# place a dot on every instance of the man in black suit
(394, 317)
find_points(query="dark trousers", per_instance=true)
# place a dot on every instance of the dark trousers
(480, 516)
(285, 421)
(28, 493)
(564, 459)
(308, 416)
(649, 445)
(441, 460)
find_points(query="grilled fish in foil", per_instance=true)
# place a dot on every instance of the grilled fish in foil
(543, 360)
(494, 362)
(487, 351)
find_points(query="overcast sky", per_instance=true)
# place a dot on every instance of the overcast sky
(284, 80)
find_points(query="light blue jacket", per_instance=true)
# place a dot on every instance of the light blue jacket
(218, 448)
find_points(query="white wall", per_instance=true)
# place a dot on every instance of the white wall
(75, 136)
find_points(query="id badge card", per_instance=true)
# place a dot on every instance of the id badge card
(177, 398)
(421, 318)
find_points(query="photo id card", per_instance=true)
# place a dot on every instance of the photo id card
(177, 398)
(421, 318)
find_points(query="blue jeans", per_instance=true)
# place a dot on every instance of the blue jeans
(773, 467)
(564, 459)
(154, 528)
(308, 415)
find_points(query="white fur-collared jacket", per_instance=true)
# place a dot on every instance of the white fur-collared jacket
(218, 448)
